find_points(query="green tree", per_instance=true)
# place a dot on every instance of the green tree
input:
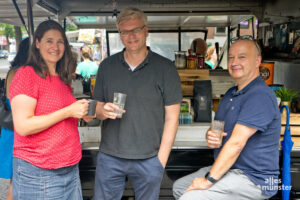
(70, 27)
(8, 31)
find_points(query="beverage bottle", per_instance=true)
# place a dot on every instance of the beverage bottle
(200, 62)
(191, 60)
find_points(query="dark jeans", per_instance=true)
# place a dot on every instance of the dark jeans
(144, 174)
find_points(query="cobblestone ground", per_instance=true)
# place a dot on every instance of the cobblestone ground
(4, 183)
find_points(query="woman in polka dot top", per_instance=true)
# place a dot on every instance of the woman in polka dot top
(45, 113)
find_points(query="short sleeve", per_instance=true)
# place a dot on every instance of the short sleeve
(172, 88)
(94, 69)
(99, 87)
(24, 83)
(258, 111)
(79, 68)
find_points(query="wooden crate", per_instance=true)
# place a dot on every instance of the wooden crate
(296, 141)
(295, 130)
(294, 127)
(294, 119)
(187, 78)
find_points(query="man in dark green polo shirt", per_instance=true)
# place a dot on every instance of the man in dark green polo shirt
(137, 145)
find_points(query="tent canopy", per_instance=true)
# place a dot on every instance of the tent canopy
(161, 13)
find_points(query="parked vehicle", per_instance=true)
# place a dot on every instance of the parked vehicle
(11, 56)
(3, 54)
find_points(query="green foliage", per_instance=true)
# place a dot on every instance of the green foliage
(70, 27)
(23, 30)
(7, 30)
(286, 94)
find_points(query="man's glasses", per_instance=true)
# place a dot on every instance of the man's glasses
(134, 31)
(243, 37)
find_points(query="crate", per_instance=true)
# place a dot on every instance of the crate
(294, 127)
(187, 78)
(294, 119)
(296, 141)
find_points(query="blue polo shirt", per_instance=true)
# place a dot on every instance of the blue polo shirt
(254, 106)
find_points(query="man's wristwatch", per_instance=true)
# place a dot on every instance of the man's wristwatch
(211, 179)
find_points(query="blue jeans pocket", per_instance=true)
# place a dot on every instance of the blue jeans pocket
(159, 163)
(26, 181)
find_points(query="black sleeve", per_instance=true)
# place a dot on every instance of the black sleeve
(172, 87)
(99, 85)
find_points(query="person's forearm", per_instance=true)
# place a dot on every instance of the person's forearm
(99, 111)
(36, 124)
(169, 134)
(227, 157)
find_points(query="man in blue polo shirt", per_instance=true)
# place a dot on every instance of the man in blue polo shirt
(247, 162)
(137, 145)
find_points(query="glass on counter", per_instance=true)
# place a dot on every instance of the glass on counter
(180, 59)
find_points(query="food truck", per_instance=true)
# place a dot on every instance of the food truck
(173, 26)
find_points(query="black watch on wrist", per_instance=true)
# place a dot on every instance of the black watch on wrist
(211, 179)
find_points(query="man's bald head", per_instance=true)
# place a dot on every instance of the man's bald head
(251, 43)
(243, 61)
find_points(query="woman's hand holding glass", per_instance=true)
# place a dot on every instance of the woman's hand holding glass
(79, 109)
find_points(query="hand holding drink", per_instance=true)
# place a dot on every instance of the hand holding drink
(119, 100)
(218, 128)
(215, 135)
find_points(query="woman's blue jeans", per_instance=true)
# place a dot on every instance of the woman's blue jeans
(34, 183)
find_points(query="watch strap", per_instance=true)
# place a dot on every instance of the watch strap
(211, 179)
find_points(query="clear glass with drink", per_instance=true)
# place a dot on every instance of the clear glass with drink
(218, 128)
(119, 100)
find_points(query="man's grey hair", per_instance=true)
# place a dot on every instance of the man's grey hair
(131, 13)
(257, 47)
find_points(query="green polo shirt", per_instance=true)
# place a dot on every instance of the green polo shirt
(152, 85)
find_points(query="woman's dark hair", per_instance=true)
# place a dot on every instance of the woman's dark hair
(22, 54)
(64, 67)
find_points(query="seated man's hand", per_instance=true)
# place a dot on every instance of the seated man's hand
(212, 140)
(200, 184)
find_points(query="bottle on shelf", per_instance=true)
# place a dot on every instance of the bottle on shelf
(200, 62)
(191, 60)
